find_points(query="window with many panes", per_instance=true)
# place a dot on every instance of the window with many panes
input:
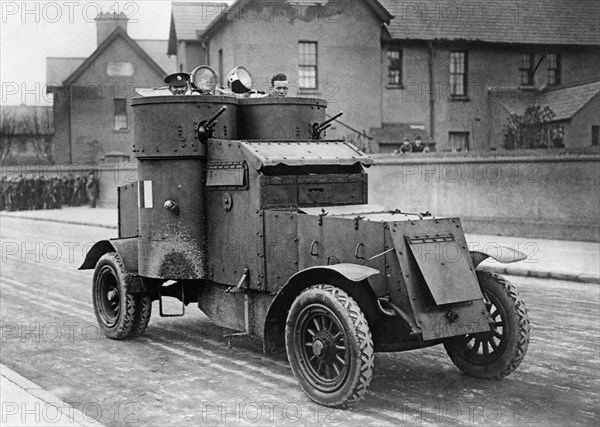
(458, 73)
(553, 68)
(394, 59)
(120, 113)
(526, 69)
(307, 65)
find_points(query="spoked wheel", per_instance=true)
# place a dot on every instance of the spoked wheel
(329, 346)
(120, 313)
(498, 352)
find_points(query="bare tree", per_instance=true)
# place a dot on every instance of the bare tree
(8, 127)
(40, 129)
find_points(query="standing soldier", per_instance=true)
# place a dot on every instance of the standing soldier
(91, 187)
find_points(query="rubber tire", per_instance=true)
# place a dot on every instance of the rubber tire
(143, 311)
(360, 344)
(109, 269)
(517, 335)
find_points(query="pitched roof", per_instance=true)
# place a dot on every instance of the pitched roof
(118, 32)
(157, 50)
(568, 101)
(58, 69)
(238, 8)
(562, 22)
(565, 101)
(189, 19)
(26, 120)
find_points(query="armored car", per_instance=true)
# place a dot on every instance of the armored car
(244, 208)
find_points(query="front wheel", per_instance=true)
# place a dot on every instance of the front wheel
(329, 346)
(497, 353)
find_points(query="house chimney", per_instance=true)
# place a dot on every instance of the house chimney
(106, 23)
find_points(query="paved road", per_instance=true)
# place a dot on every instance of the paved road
(182, 373)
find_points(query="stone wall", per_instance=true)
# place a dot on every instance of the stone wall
(553, 197)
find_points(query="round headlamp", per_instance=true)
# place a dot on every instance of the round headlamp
(203, 79)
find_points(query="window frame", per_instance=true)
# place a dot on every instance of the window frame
(526, 69)
(303, 66)
(454, 74)
(120, 118)
(467, 140)
(399, 66)
(554, 74)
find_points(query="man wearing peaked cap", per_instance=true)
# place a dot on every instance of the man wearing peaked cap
(178, 83)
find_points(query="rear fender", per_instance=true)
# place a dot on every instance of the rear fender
(502, 254)
(352, 278)
(127, 250)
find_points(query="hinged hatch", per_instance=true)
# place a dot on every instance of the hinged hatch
(293, 153)
(445, 269)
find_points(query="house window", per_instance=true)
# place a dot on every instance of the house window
(459, 141)
(221, 68)
(554, 69)
(458, 74)
(526, 69)
(307, 64)
(394, 58)
(595, 135)
(120, 114)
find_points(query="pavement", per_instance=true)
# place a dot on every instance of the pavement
(26, 404)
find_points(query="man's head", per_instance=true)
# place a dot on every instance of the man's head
(279, 85)
(418, 141)
(178, 83)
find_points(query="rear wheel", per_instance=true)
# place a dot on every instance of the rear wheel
(497, 353)
(329, 346)
(120, 313)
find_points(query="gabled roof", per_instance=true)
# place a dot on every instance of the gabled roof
(58, 69)
(560, 22)
(157, 49)
(238, 7)
(188, 19)
(564, 101)
(117, 33)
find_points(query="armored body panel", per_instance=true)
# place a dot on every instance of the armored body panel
(171, 187)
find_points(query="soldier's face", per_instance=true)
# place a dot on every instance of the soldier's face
(280, 89)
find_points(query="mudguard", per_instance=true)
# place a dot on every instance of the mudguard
(345, 276)
(126, 248)
(502, 254)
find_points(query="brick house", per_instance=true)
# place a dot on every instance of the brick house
(399, 69)
(92, 113)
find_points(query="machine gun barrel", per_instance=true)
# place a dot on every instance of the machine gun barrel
(323, 125)
(211, 122)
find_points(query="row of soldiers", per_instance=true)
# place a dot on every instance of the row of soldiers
(19, 193)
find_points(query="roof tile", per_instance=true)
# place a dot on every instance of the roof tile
(563, 22)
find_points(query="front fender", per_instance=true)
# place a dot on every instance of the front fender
(349, 277)
(502, 254)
